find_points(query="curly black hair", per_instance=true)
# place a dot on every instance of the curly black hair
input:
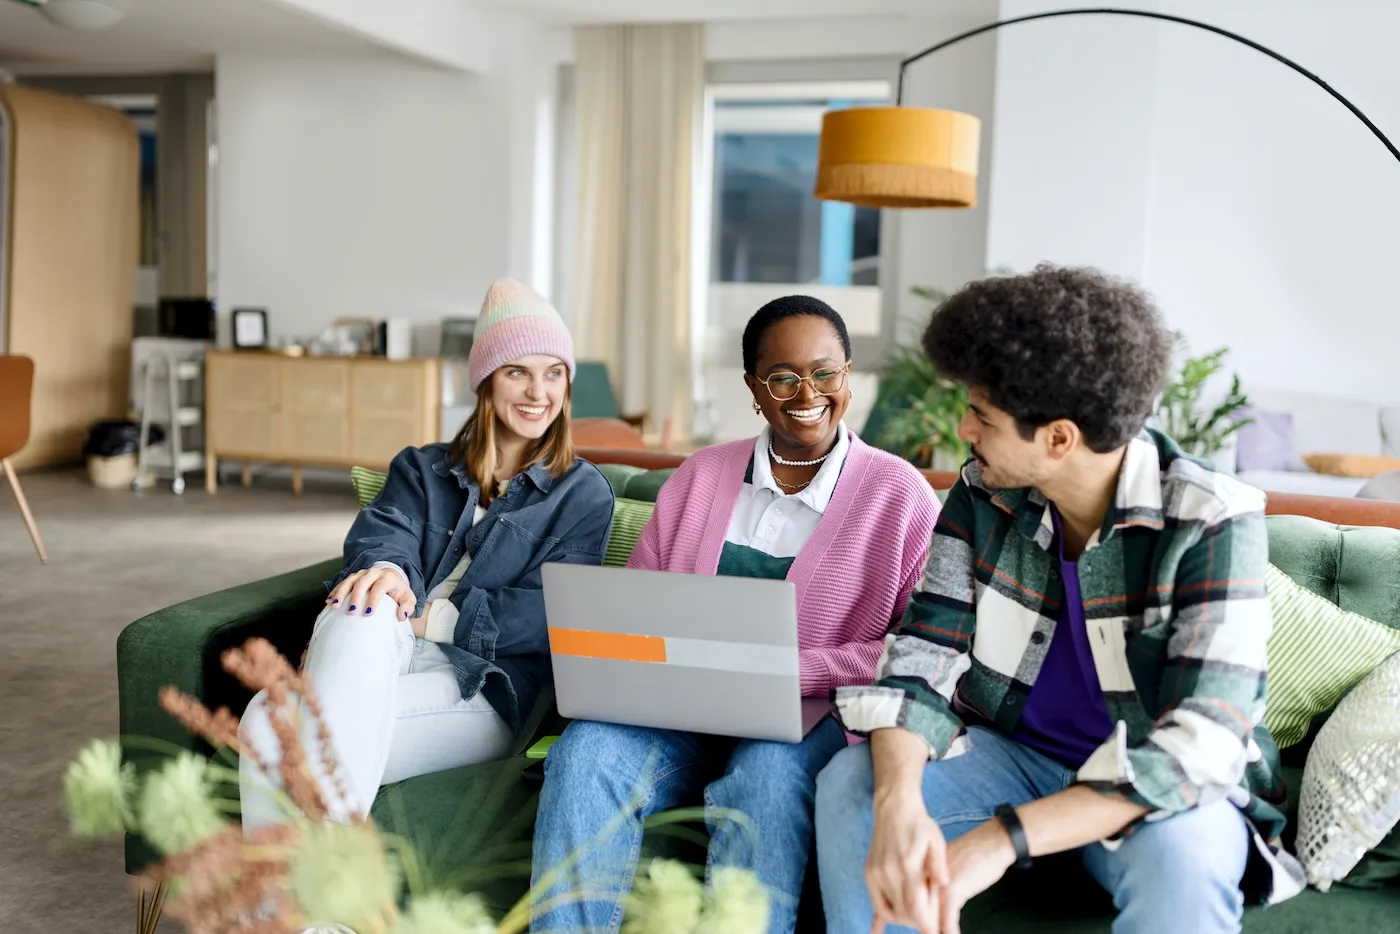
(789, 306)
(1059, 342)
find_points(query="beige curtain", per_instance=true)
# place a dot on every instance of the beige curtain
(640, 93)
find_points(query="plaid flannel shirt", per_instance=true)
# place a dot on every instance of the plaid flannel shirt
(1178, 617)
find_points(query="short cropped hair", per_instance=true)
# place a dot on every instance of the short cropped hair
(789, 306)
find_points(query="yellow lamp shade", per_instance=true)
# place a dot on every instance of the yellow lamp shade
(899, 157)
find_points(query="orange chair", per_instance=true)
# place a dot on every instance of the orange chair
(16, 388)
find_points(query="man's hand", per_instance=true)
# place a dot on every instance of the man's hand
(361, 591)
(907, 867)
(976, 860)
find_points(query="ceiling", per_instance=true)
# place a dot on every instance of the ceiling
(166, 35)
(566, 12)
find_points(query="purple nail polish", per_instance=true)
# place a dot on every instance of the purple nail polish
(352, 608)
(369, 610)
(335, 602)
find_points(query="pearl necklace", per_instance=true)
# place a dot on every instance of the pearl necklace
(786, 463)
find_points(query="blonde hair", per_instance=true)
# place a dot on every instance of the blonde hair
(475, 445)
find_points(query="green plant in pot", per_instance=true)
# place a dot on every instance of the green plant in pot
(917, 411)
(1182, 412)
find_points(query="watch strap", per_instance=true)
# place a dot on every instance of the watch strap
(1014, 829)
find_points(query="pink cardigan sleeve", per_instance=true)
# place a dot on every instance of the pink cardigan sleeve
(853, 663)
(654, 547)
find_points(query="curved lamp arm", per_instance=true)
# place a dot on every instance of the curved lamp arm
(1146, 14)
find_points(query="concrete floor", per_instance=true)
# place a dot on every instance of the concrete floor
(114, 556)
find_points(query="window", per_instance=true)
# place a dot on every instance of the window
(769, 236)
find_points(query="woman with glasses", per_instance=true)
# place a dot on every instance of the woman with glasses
(806, 501)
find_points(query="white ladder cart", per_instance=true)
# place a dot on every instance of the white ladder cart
(180, 411)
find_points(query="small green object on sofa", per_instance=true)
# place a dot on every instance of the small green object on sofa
(474, 824)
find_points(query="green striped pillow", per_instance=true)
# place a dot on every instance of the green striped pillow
(366, 483)
(1317, 652)
(629, 518)
(629, 515)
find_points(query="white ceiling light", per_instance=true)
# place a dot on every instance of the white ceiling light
(84, 14)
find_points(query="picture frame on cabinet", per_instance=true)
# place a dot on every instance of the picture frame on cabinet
(249, 327)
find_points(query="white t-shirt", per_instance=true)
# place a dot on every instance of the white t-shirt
(441, 614)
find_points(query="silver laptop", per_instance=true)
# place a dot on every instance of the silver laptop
(677, 651)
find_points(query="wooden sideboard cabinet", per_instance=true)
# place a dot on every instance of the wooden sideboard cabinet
(316, 411)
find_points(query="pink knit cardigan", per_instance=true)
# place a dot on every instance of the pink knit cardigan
(854, 575)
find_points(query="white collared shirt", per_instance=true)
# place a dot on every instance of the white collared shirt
(778, 523)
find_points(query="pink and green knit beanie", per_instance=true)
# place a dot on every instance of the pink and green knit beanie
(515, 322)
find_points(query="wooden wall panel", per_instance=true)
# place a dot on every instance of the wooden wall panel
(74, 224)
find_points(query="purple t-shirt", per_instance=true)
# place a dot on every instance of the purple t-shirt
(1066, 717)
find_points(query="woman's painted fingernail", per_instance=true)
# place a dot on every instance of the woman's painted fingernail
(335, 602)
(369, 610)
(352, 608)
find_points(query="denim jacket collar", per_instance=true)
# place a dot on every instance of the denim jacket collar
(537, 472)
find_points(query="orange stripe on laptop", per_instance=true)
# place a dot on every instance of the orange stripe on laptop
(618, 646)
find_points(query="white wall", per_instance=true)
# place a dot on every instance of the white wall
(1273, 222)
(365, 188)
(1256, 209)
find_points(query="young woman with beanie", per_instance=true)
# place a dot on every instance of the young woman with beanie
(807, 501)
(432, 648)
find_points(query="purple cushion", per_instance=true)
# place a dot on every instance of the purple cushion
(1266, 443)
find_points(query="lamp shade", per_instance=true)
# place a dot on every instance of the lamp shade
(899, 157)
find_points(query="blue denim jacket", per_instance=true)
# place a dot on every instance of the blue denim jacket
(422, 522)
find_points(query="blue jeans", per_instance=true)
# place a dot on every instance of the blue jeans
(597, 771)
(1179, 874)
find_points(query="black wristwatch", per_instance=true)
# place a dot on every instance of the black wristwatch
(1007, 815)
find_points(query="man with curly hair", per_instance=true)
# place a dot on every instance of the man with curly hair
(1083, 666)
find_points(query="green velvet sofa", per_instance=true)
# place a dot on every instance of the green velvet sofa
(474, 824)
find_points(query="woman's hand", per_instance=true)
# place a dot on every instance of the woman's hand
(361, 592)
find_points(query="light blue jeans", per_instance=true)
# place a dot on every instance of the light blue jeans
(1179, 874)
(596, 770)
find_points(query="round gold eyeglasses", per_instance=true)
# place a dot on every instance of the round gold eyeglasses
(784, 384)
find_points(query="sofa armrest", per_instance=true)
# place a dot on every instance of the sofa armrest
(181, 646)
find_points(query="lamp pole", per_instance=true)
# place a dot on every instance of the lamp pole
(1167, 17)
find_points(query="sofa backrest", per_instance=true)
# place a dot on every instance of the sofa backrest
(1357, 568)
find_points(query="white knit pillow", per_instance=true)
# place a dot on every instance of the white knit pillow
(1350, 798)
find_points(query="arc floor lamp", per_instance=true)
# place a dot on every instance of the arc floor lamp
(917, 157)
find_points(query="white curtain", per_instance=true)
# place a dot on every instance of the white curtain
(640, 103)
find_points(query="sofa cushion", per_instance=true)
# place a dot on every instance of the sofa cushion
(1317, 652)
(367, 484)
(629, 518)
(1362, 466)
(1350, 798)
(1266, 442)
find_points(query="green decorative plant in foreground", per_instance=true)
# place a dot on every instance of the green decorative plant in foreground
(1182, 412)
(314, 871)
